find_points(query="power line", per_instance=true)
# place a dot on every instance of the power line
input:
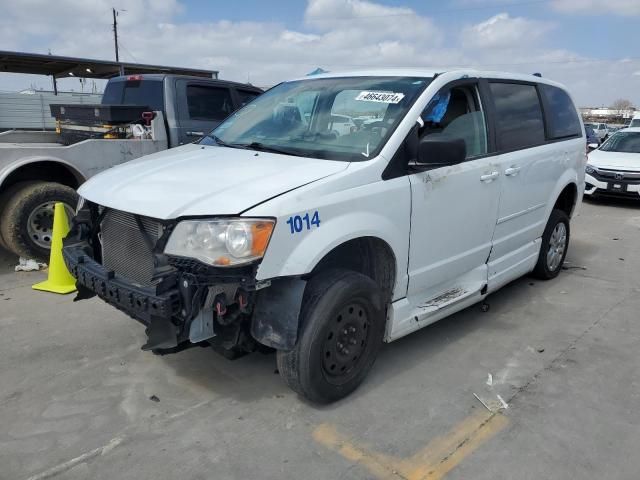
(122, 45)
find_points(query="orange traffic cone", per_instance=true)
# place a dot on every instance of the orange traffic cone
(59, 279)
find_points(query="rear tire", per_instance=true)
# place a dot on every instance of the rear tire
(4, 200)
(342, 322)
(26, 221)
(555, 243)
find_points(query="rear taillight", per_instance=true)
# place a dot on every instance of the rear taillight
(134, 78)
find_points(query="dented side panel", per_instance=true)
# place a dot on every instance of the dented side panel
(452, 223)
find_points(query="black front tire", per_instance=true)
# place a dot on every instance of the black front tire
(20, 201)
(342, 323)
(546, 268)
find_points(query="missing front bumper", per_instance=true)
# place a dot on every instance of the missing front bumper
(142, 303)
(187, 301)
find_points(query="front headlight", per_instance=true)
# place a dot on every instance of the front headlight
(589, 169)
(222, 242)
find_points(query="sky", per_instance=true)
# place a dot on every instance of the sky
(589, 45)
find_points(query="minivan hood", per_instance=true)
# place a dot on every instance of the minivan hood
(615, 160)
(196, 180)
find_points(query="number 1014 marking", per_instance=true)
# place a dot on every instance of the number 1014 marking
(298, 223)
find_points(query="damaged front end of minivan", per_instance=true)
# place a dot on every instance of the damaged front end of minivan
(142, 267)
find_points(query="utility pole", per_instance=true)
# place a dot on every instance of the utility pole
(115, 32)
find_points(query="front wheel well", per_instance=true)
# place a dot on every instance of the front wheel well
(567, 199)
(45, 171)
(370, 256)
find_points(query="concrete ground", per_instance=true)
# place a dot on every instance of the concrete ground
(79, 400)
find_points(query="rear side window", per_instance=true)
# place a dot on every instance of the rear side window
(146, 93)
(246, 96)
(561, 115)
(518, 115)
(208, 103)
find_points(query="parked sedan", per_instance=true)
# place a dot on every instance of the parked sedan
(612, 130)
(614, 168)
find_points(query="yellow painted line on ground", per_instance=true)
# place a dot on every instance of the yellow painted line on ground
(443, 454)
(433, 462)
(378, 464)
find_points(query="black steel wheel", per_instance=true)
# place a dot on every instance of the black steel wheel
(342, 327)
(345, 344)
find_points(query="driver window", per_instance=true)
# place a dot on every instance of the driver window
(457, 113)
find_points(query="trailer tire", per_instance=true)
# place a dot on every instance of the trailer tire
(26, 221)
(4, 201)
(342, 327)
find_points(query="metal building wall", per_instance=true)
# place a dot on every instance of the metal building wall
(30, 111)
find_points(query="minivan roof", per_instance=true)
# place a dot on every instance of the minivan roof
(427, 73)
(162, 76)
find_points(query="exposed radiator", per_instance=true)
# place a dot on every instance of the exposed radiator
(124, 247)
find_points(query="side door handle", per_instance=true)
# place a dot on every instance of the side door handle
(490, 177)
(512, 171)
(195, 134)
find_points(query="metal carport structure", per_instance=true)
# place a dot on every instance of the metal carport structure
(64, 67)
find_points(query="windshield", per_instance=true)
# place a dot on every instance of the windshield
(347, 119)
(635, 122)
(623, 142)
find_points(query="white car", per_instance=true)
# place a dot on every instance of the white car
(601, 129)
(635, 121)
(614, 168)
(273, 231)
(342, 124)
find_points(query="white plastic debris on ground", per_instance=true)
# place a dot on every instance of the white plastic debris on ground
(491, 400)
(29, 265)
(490, 380)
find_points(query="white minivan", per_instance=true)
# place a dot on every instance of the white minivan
(273, 231)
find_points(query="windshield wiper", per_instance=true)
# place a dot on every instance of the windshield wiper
(261, 147)
(221, 142)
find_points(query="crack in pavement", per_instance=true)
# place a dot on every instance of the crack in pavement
(569, 347)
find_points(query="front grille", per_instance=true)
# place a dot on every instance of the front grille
(125, 250)
(606, 175)
(628, 178)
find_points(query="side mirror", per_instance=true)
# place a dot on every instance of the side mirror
(592, 146)
(439, 151)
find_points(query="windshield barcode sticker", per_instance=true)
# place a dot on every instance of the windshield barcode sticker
(381, 97)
